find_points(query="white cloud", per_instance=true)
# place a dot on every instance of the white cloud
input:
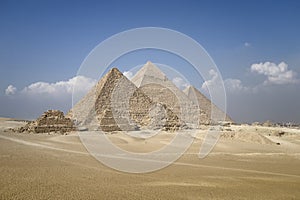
(10, 90)
(234, 85)
(128, 74)
(180, 83)
(212, 82)
(63, 88)
(247, 44)
(37, 97)
(231, 85)
(276, 74)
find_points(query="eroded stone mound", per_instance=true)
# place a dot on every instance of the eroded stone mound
(49, 121)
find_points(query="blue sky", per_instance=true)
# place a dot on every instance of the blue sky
(48, 40)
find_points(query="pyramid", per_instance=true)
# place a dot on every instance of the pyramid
(205, 104)
(115, 104)
(49, 121)
(155, 84)
(149, 70)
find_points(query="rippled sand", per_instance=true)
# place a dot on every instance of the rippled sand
(240, 167)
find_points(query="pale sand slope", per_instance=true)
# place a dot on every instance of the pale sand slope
(6, 123)
(240, 167)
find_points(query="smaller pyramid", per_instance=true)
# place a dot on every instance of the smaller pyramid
(94, 110)
(205, 105)
(49, 121)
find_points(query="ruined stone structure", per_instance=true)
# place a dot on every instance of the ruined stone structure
(50, 121)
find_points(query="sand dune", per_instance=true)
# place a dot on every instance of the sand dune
(245, 166)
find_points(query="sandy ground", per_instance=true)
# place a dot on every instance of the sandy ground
(245, 164)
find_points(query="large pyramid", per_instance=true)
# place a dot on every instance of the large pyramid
(115, 103)
(155, 84)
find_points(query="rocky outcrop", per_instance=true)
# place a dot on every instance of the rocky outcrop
(50, 121)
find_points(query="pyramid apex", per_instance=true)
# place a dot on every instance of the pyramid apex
(150, 65)
(149, 70)
(188, 89)
(149, 62)
(115, 70)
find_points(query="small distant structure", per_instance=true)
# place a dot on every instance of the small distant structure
(225, 123)
(256, 124)
(49, 121)
(268, 123)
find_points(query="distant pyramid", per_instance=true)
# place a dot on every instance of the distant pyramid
(205, 104)
(149, 70)
(115, 103)
(155, 84)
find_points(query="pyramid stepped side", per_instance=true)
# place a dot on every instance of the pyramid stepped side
(148, 69)
(131, 104)
(103, 94)
(112, 104)
(167, 93)
(84, 113)
(157, 86)
(173, 122)
(161, 94)
(50, 121)
(107, 107)
(203, 112)
(93, 111)
(107, 122)
(205, 104)
(139, 106)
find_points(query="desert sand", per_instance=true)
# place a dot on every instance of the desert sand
(246, 163)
